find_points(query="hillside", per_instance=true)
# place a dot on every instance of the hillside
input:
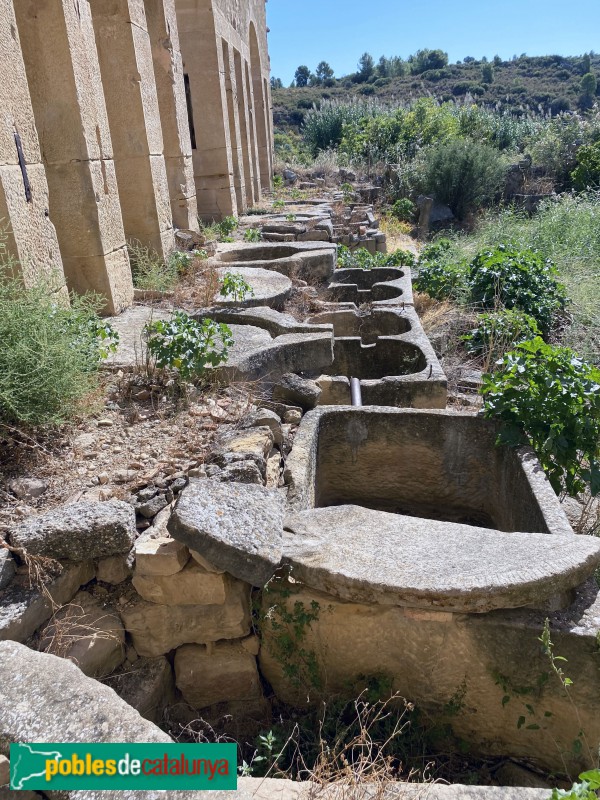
(544, 83)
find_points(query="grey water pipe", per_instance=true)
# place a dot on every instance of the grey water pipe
(355, 392)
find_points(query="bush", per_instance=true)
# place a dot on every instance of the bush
(186, 345)
(49, 353)
(499, 331)
(440, 275)
(587, 173)
(549, 398)
(519, 279)
(463, 174)
(404, 210)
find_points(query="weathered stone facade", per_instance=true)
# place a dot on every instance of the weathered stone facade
(123, 120)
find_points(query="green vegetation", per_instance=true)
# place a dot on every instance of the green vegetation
(521, 279)
(499, 331)
(584, 789)
(252, 235)
(359, 258)
(463, 174)
(234, 286)
(49, 353)
(152, 272)
(186, 345)
(549, 398)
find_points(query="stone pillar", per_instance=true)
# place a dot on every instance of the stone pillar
(253, 138)
(239, 179)
(125, 56)
(59, 51)
(26, 231)
(244, 124)
(170, 86)
(203, 64)
(261, 110)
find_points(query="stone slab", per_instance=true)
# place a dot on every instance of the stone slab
(192, 586)
(237, 527)
(368, 556)
(78, 531)
(23, 610)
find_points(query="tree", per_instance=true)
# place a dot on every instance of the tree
(276, 83)
(589, 84)
(424, 60)
(468, 59)
(366, 67)
(383, 67)
(586, 64)
(487, 73)
(302, 75)
(323, 72)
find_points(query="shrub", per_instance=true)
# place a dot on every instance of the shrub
(587, 172)
(546, 396)
(499, 331)
(440, 275)
(49, 353)
(186, 345)
(404, 210)
(519, 279)
(463, 175)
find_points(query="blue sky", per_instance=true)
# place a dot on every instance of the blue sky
(339, 31)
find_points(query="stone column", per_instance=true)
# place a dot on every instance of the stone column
(61, 63)
(202, 61)
(125, 55)
(26, 231)
(253, 137)
(239, 179)
(244, 123)
(170, 86)
(261, 111)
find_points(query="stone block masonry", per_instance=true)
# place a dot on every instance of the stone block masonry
(108, 135)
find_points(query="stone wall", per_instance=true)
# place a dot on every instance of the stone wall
(107, 135)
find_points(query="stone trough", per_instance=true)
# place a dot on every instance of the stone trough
(382, 285)
(388, 351)
(306, 260)
(268, 288)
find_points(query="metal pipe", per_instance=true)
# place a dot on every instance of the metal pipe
(355, 392)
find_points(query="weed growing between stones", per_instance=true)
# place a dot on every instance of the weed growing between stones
(288, 623)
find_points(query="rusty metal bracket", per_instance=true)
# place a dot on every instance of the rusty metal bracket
(23, 166)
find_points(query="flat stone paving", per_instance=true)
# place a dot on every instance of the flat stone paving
(368, 556)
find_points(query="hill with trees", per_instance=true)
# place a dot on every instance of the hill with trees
(542, 84)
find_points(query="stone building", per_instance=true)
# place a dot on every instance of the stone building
(124, 120)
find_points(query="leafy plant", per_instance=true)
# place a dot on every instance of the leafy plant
(186, 345)
(440, 275)
(235, 286)
(49, 352)
(290, 218)
(252, 235)
(585, 789)
(499, 331)
(227, 226)
(279, 204)
(348, 192)
(549, 398)
(404, 210)
(587, 172)
(519, 279)
(277, 182)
